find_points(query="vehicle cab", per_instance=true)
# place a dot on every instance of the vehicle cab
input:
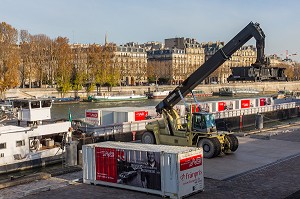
(204, 122)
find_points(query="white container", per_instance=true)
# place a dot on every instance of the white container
(93, 116)
(171, 171)
(107, 117)
(118, 115)
(244, 103)
(264, 101)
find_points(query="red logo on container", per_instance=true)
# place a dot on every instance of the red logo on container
(91, 114)
(262, 101)
(109, 154)
(140, 115)
(245, 103)
(190, 162)
(106, 164)
(195, 108)
(221, 106)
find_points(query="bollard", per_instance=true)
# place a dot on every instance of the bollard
(241, 122)
(71, 153)
(133, 135)
(259, 121)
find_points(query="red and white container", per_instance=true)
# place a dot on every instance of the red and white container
(118, 115)
(171, 171)
(244, 103)
(264, 101)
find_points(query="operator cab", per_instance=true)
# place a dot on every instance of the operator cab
(204, 122)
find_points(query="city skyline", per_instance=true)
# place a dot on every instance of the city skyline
(144, 21)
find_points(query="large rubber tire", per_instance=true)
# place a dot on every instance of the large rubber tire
(148, 138)
(211, 147)
(234, 142)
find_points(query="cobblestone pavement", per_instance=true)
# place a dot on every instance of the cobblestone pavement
(278, 180)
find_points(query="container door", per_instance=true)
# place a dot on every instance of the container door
(106, 164)
(245, 103)
(107, 117)
(262, 101)
(221, 106)
(88, 161)
(140, 115)
(190, 172)
(169, 172)
(93, 116)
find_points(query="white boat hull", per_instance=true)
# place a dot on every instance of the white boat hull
(17, 152)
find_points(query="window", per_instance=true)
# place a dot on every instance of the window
(3, 145)
(21, 104)
(46, 103)
(20, 143)
(35, 104)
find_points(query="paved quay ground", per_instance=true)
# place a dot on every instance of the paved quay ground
(277, 175)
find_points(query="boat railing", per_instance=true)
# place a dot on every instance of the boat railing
(253, 110)
(125, 127)
(136, 126)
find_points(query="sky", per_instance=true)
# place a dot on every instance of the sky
(87, 21)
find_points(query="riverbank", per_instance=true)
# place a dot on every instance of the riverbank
(263, 87)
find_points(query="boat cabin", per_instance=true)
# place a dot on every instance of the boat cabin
(35, 144)
(33, 110)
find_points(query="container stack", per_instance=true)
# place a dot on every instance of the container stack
(118, 115)
(171, 171)
(226, 105)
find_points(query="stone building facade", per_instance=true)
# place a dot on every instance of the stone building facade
(170, 62)
(182, 56)
(245, 56)
(179, 58)
(131, 59)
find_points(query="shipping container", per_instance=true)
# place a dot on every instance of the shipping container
(93, 116)
(118, 115)
(171, 171)
(264, 101)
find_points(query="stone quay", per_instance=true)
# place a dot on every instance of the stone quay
(263, 87)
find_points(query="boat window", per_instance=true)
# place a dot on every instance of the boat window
(46, 103)
(35, 104)
(21, 104)
(20, 143)
(3, 145)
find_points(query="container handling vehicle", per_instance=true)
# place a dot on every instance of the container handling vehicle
(199, 128)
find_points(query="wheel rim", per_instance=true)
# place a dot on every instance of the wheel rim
(147, 139)
(206, 148)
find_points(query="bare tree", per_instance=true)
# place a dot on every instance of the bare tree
(25, 52)
(41, 49)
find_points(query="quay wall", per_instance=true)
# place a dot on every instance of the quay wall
(264, 87)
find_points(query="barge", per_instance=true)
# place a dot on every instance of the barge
(30, 139)
(230, 115)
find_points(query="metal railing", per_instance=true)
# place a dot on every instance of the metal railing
(113, 129)
(253, 110)
(136, 126)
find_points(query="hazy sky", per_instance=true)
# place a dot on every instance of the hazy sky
(87, 21)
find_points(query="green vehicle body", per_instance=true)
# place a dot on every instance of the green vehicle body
(199, 130)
